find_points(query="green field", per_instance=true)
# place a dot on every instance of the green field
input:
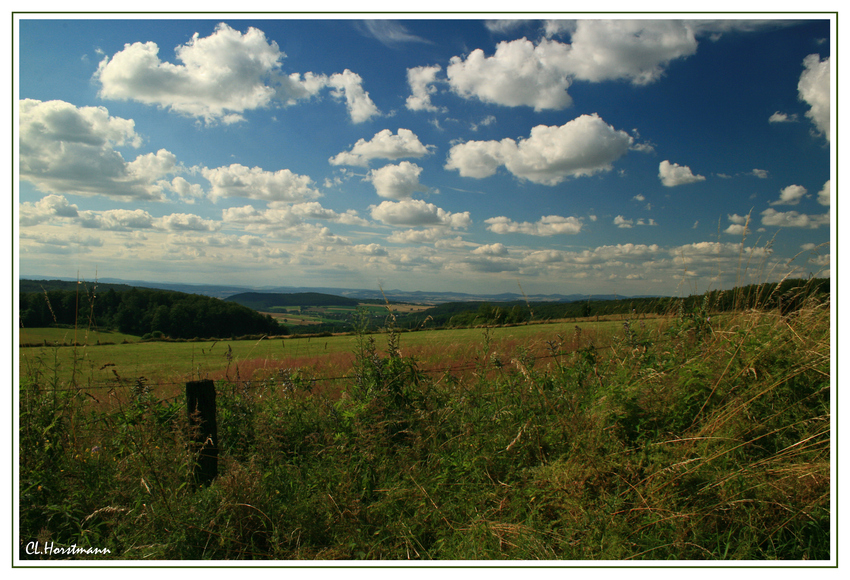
(69, 336)
(172, 362)
(311, 315)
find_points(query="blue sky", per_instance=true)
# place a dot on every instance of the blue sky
(625, 155)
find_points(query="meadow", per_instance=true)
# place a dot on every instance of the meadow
(690, 437)
(100, 357)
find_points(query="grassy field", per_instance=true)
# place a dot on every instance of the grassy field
(69, 336)
(166, 365)
(318, 314)
(691, 438)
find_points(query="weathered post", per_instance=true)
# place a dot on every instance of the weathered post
(200, 404)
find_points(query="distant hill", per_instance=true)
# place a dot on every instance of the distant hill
(27, 286)
(261, 301)
(359, 294)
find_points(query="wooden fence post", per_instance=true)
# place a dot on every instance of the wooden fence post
(200, 404)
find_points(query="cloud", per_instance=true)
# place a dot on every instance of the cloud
(736, 230)
(790, 195)
(186, 191)
(546, 226)
(824, 194)
(708, 253)
(418, 213)
(254, 183)
(813, 88)
(518, 74)
(497, 249)
(384, 145)
(421, 80)
(117, 219)
(288, 216)
(739, 225)
(673, 174)
(72, 244)
(314, 210)
(634, 50)
(584, 146)
(778, 117)
(793, 219)
(504, 26)
(137, 219)
(397, 181)
(288, 222)
(66, 149)
(486, 121)
(622, 222)
(44, 209)
(349, 85)
(389, 32)
(183, 222)
(220, 77)
(760, 173)
(370, 250)
(428, 235)
(522, 73)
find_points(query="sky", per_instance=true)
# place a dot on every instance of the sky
(627, 155)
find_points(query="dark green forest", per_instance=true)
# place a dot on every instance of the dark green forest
(142, 312)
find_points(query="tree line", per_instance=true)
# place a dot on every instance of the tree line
(144, 311)
(787, 296)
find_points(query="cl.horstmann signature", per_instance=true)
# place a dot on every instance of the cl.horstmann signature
(50, 549)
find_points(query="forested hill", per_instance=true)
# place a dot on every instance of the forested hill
(787, 296)
(266, 301)
(142, 311)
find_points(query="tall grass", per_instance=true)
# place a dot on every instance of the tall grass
(703, 438)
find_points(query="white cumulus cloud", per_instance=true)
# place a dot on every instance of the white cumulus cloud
(519, 73)
(739, 225)
(673, 174)
(384, 145)
(824, 194)
(68, 149)
(790, 195)
(117, 219)
(793, 219)
(349, 86)
(416, 212)
(634, 50)
(813, 88)
(497, 249)
(422, 80)
(546, 226)
(220, 76)
(255, 183)
(584, 146)
(397, 181)
(522, 73)
(181, 222)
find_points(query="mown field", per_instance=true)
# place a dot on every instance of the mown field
(690, 437)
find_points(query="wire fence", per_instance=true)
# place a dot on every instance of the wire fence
(285, 374)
